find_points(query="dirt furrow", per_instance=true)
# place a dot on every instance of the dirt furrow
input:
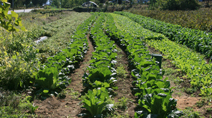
(125, 100)
(69, 106)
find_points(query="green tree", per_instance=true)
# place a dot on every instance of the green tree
(17, 3)
(175, 4)
(55, 3)
(39, 2)
(27, 2)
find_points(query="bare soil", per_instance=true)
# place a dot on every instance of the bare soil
(69, 106)
(124, 84)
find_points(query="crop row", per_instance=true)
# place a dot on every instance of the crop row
(154, 94)
(195, 39)
(58, 25)
(51, 78)
(195, 19)
(59, 32)
(189, 62)
(101, 74)
(186, 59)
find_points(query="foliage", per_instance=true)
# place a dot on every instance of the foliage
(146, 72)
(123, 102)
(14, 105)
(57, 40)
(101, 72)
(19, 3)
(174, 4)
(38, 2)
(21, 69)
(96, 101)
(187, 60)
(197, 19)
(190, 113)
(195, 39)
(21, 58)
(52, 76)
(121, 72)
(72, 3)
(66, 3)
(9, 21)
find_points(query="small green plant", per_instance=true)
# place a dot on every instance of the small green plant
(189, 90)
(121, 72)
(25, 103)
(74, 94)
(201, 103)
(117, 115)
(190, 113)
(123, 102)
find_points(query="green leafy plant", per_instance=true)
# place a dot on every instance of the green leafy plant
(25, 103)
(190, 113)
(121, 72)
(123, 102)
(96, 101)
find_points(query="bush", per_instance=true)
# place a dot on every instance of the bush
(174, 4)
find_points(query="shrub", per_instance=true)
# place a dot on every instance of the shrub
(174, 4)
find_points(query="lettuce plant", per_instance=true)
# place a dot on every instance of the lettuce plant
(96, 101)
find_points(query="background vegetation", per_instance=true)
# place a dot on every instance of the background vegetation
(174, 4)
(195, 19)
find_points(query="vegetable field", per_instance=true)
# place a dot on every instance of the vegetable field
(101, 65)
(195, 19)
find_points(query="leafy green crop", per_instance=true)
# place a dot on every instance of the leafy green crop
(195, 39)
(154, 93)
(52, 77)
(101, 72)
(95, 101)
(187, 60)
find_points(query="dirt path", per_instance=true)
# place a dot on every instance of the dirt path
(69, 106)
(124, 84)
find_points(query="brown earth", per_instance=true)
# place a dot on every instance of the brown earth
(70, 105)
(124, 84)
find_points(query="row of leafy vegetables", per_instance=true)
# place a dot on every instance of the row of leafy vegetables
(189, 61)
(52, 75)
(154, 93)
(197, 40)
(100, 76)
